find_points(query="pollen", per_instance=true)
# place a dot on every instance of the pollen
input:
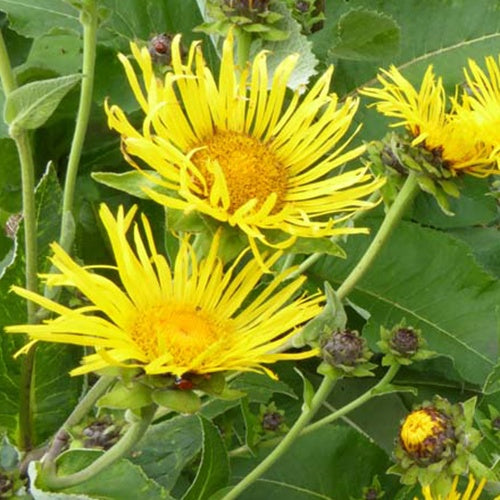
(183, 332)
(251, 169)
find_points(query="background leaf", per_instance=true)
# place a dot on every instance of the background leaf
(55, 392)
(31, 105)
(213, 471)
(430, 279)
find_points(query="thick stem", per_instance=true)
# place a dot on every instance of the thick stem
(23, 145)
(121, 448)
(89, 21)
(393, 216)
(81, 409)
(375, 391)
(307, 414)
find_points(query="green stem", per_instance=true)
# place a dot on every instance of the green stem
(375, 391)
(244, 42)
(121, 448)
(89, 21)
(371, 393)
(313, 258)
(23, 145)
(81, 409)
(307, 414)
(393, 216)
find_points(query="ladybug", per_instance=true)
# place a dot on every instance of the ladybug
(183, 384)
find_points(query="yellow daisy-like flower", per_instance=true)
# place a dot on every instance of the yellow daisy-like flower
(462, 137)
(235, 151)
(192, 317)
(468, 494)
(482, 99)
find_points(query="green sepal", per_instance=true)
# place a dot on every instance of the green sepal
(229, 394)
(333, 317)
(122, 397)
(391, 388)
(177, 400)
(308, 391)
(308, 246)
(214, 384)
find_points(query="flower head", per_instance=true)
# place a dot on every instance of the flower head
(234, 151)
(193, 317)
(462, 139)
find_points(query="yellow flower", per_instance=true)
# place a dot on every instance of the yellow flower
(482, 99)
(233, 150)
(190, 317)
(461, 138)
(468, 494)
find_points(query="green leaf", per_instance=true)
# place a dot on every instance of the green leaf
(260, 388)
(121, 397)
(31, 105)
(320, 245)
(132, 182)
(32, 18)
(366, 35)
(10, 177)
(484, 244)
(332, 462)
(308, 391)
(296, 43)
(474, 207)
(430, 279)
(167, 448)
(55, 393)
(55, 51)
(177, 400)
(213, 472)
(121, 479)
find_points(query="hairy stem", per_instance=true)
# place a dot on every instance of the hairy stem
(307, 414)
(89, 21)
(373, 392)
(121, 448)
(78, 413)
(23, 145)
(393, 216)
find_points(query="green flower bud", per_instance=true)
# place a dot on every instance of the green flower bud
(345, 353)
(402, 345)
(435, 444)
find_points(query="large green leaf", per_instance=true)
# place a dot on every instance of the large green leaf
(31, 105)
(167, 447)
(32, 18)
(55, 393)
(213, 472)
(332, 462)
(121, 480)
(430, 279)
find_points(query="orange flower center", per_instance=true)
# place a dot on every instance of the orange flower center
(183, 332)
(250, 169)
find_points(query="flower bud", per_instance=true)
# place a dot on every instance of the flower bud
(402, 345)
(425, 435)
(271, 421)
(343, 348)
(160, 48)
(435, 444)
(345, 353)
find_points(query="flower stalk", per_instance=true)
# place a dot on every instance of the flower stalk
(393, 216)
(121, 448)
(23, 145)
(89, 22)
